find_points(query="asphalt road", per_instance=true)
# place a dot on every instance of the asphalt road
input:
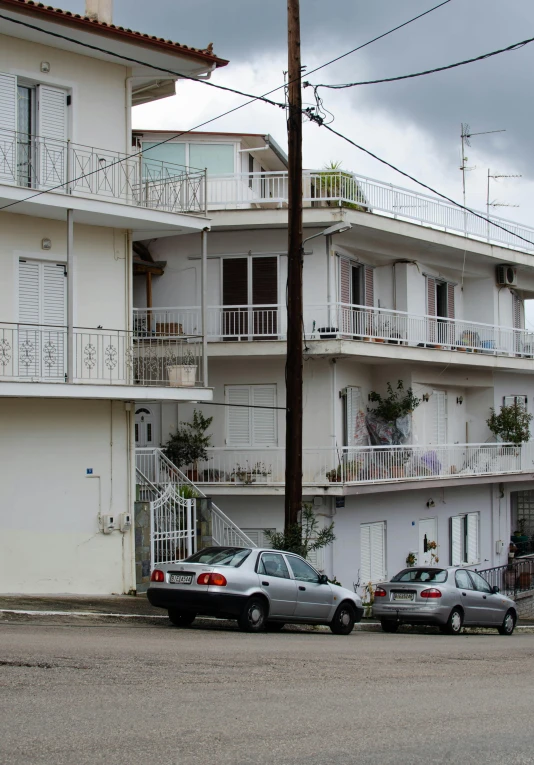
(132, 694)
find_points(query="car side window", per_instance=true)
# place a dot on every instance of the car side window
(302, 571)
(480, 583)
(463, 580)
(272, 564)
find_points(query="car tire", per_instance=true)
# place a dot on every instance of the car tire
(343, 621)
(274, 626)
(455, 622)
(389, 626)
(181, 618)
(254, 616)
(508, 623)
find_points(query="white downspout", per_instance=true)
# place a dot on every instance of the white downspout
(203, 303)
(70, 296)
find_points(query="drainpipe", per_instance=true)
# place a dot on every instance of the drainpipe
(70, 296)
(204, 308)
(331, 319)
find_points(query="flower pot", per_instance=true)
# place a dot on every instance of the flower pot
(367, 611)
(182, 376)
(525, 580)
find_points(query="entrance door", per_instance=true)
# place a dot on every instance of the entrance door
(144, 428)
(428, 532)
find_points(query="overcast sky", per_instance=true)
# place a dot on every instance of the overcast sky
(414, 124)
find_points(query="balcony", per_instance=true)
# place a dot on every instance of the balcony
(34, 162)
(339, 189)
(101, 357)
(245, 323)
(358, 466)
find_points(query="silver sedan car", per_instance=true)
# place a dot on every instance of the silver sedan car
(446, 597)
(262, 589)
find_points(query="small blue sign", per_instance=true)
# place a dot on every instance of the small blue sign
(340, 501)
(89, 471)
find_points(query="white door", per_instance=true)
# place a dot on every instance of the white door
(428, 532)
(144, 428)
(438, 413)
(52, 137)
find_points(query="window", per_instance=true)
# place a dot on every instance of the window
(523, 511)
(258, 536)
(437, 575)
(217, 158)
(220, 556)
(464, 535)
(354, 416)
(463, 580)
(302, 571)
(250, 170)
(372, 552)
(356, 283)
(480, 584)
(272, 564)
(251, 427)
(250, 290)
(515, 401)
(441, 304)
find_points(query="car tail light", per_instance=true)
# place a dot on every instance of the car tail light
(157, 576)
(431, 593)
(217, 580)
(380, 593)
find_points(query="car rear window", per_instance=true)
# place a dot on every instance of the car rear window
(438, 575)
(220, 556)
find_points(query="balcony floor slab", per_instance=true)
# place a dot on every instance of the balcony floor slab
(61, 390)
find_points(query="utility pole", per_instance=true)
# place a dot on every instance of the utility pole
(293, 497)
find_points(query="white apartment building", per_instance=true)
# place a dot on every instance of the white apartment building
(74, 198)
(413, 292)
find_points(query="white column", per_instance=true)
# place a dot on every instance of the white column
(70, 296)
(204, 307)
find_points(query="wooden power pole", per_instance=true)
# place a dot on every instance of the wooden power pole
(293, 497)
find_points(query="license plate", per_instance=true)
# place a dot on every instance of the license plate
(180, 578)
(403, 596)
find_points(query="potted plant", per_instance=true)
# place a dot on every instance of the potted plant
(511, 425)
(334, 186)
(519, 534)
(189, 444)
(411, 559)
(183, 375)
(368, 600)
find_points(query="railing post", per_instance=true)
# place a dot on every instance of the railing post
(152, 545)
(189, 527)
(70, 296)
(68, 169)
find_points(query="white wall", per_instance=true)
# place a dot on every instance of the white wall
(50, 541)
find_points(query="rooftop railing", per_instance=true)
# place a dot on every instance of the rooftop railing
(324, 188)
(35, 162)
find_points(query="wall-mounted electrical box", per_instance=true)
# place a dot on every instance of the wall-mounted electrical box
(499, 546)
(108, 523)
(125, 521)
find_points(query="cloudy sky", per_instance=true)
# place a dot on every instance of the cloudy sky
(414, 124)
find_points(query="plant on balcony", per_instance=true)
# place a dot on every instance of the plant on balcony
(332, 182)
(511, 425)
(304, 537)
(398, 403)
(190, 443)
(248, 474)
(183, 369)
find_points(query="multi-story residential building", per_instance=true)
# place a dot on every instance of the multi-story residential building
(74, 197)
(414, 291)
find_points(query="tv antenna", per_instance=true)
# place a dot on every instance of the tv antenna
(466, 134)
(495, 203)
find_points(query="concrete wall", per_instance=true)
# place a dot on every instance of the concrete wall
(50, 541)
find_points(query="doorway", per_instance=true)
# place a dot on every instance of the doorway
(144, 428)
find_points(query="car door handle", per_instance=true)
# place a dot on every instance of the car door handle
(302, 588)
(463, 593)
(484, 596)
(265, 584)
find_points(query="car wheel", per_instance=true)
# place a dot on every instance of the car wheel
(389, 626)
(508, 623)
(454, 622)
(343, 621)
(254, 615)
(275, 626)
(181, 618)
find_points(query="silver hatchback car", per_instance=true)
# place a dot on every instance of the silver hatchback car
(261, 588)
(447, 597)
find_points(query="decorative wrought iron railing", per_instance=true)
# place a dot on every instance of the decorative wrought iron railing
(341, 321)
(323, 188)
(100, 356)
(37, 162)
(514, 578)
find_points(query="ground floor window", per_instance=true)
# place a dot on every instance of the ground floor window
(372, 552)
(464, 537)
(258, 536)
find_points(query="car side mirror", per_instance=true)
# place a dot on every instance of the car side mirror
(323, 579)
(495, 589)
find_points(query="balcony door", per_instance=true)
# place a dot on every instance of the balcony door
(356, 296)
(440, 304)
(250, 298)
(42, 319)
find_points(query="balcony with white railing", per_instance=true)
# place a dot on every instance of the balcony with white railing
(30, 353)
(348, 466)
(242, 323)
(64, 167)
(324, 188)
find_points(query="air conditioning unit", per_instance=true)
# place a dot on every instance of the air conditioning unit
(506, 276)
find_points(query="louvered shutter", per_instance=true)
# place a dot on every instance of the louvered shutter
(472, 538)
(456, 530)
(265, 293)
(258, 536)
(316, 558)
(235, 293)
(365, 554)
(8, 127)
(378, 550)
(353, 417)
(53, 334)
(29, 313)
(263, 420)
(439, 417)
(431, 307)
(369, 287)
(52, 132)
(450, 301)
(238, 422)
(344, 281)
(516, 306)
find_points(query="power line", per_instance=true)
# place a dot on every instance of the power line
(515, 46)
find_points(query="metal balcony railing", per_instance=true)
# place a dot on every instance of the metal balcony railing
(36, 162)
(100, 356)
(512, 579)
(362, 465)
(324, 188)
(342, 321)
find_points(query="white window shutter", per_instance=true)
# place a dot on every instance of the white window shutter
(439, 417)
(264, 420)
(316, 558)
(344, 281)
(54, 294)
(238, 430)
(8, 126)
(473, 555)
(378, 550)
(258, 536)
(517, 312)
(365, 554)
(29, 292)
(52, 132)
(456, 540)
(369, 286)
(355, 417)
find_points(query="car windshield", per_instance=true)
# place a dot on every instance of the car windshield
(421, 575)
(220, 556)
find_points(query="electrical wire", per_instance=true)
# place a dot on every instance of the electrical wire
(515, 46)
